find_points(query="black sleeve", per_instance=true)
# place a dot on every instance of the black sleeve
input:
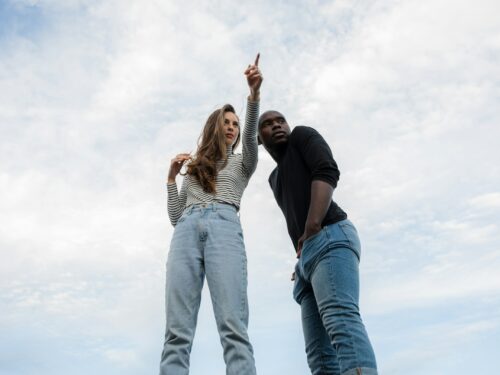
(316, 154)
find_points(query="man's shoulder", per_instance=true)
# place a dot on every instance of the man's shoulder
(302, 131)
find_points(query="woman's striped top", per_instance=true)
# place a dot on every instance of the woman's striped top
(231, 180)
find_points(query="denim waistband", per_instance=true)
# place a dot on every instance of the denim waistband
(214, 206)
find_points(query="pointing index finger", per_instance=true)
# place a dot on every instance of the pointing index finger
(257, 59)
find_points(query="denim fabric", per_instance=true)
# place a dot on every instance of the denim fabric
(207, 241)
(327, 289)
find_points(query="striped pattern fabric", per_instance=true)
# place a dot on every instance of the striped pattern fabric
(231, 180)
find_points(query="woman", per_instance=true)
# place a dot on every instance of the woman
(208, 239)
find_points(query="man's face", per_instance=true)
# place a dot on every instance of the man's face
(273, 129)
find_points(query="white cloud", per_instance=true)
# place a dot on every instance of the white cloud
(489, 201)
(121, 357)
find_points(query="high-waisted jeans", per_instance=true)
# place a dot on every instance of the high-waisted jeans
(207, 241)
(327, 289)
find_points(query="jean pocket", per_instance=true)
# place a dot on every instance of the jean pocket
(351, 234)
(311, 239)
(230, 216)
(182, 218)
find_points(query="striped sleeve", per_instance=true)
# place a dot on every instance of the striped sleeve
(176, 201)
(249, 139)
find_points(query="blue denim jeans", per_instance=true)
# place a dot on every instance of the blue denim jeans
(207, 241)
(327, 289)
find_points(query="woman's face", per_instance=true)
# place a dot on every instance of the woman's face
(231, 128)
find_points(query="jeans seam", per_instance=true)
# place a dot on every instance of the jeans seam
(243, 295)
(341, 226)
(351, 246)
(344, 326)
(323, 367)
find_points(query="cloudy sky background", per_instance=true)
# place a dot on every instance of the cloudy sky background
(97, 96)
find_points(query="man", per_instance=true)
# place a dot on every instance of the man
(327, 245)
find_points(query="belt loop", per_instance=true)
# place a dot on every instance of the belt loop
(214, 208)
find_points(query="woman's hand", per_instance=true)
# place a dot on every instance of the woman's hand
(254, 79)
(176, 165)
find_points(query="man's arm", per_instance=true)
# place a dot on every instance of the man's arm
(325, 175)
(321, 197)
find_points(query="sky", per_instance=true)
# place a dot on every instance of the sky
(96, 97)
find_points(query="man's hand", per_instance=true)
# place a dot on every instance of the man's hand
(254, 79)
(321, 198)
(176, 165)
(309, 231)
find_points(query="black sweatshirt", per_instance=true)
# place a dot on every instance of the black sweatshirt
(307, 158)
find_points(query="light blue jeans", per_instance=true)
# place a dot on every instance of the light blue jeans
(207, 241)
(327, 289)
